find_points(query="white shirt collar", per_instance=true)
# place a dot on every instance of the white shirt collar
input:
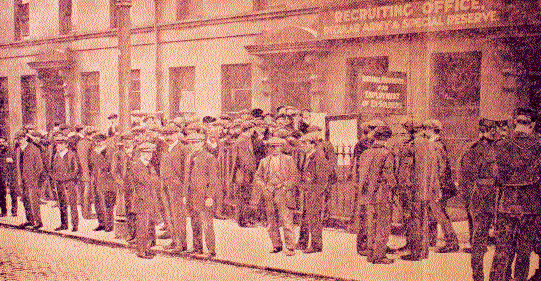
(63, 152)
(23, 146)
(173, 145)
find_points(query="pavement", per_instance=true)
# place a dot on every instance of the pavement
(249, 247)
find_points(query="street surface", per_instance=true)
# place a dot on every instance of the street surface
(32, 256)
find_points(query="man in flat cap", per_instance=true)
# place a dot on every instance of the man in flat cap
(377, 177)
(518, 162)
(84, 147)
(105, 185)
(113, 124)
(29, 166)
(277, 175)
(65, 172)
(173, 159)
(200, 191)
(145, 183)
(315, 170)
(478, 184)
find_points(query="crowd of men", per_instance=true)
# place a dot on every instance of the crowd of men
(166, 171)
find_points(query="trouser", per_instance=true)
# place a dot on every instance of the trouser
(85, 198)
(166, 205)
(203, 222)
(178, 216)
(144, 229)
(3, 196)
(419, 242)
(67, 195)
(311, 224)
(515, 235)
(13, 194)
(481, 222)
(438, 212)
(278, 212)
(362, 232)
(105, 208)
(131, 216)
(378, 223)
(31, 201)
(243, 196)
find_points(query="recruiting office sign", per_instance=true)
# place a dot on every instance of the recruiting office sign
(408, 17)
(382, 93)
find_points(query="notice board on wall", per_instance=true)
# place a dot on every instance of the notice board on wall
(385, 93)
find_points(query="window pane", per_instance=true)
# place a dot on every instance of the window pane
(236, 87)
(28, 98)
(91, 97)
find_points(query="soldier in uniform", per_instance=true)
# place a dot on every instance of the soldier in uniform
(478, 183)
(277, 176)
(519, 205)
(65, 172)
(145, 182)
(200, 191)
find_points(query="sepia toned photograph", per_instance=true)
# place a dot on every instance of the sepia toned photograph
(270, 140)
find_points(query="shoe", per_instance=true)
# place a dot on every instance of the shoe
(365, 252)
(212, 254)
(383, 261)
(99, 228)
(276, 250)
(152, 243)
(390, 251)
(61, 227)
(37, 226)
(3, 214)
(467, 250)
(448, 249)
(289, 252)
(179, 250)
(196, 251)
(108, 229)
(13, 214)
(165, 235)
(26, 224)
(301, 246)
(170, 246)
(74, 229)
(310, 250)
(410, 257)
(145, 255)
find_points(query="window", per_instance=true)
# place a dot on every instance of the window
(181, 90)
(113, 14)
(183, 9)
(90, 86)
(28, 99)
(64, 16)
(22, 19)
(4, 107)
(236, 87)
(135, 90)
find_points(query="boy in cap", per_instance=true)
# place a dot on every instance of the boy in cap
(200, 191)
(65, 171)
(277, 175)
(145, 183)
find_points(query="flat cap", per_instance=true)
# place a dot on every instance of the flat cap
(275, 141)
(433, 124)
(112, 116)
(195, 137)
(526, 112)
(147, 147)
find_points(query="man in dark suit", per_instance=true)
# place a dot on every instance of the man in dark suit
(277, 175)
(29, 170)
(315, 172)
(173, 159)
(65, 171)
(200, 190)
(6, 181)
(101, 159)
(84, 147)
(145, 182)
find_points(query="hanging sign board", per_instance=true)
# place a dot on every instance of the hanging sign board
(382, 93)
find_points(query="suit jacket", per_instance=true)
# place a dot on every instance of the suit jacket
(7, 169)
(101, 169)
(65, 168)
(316, 170)
(200, 178)
(377, 175)
(172, 166)
(244, 160)
(30, 169)
(145, 181)
(287, 171)
(84, 146)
